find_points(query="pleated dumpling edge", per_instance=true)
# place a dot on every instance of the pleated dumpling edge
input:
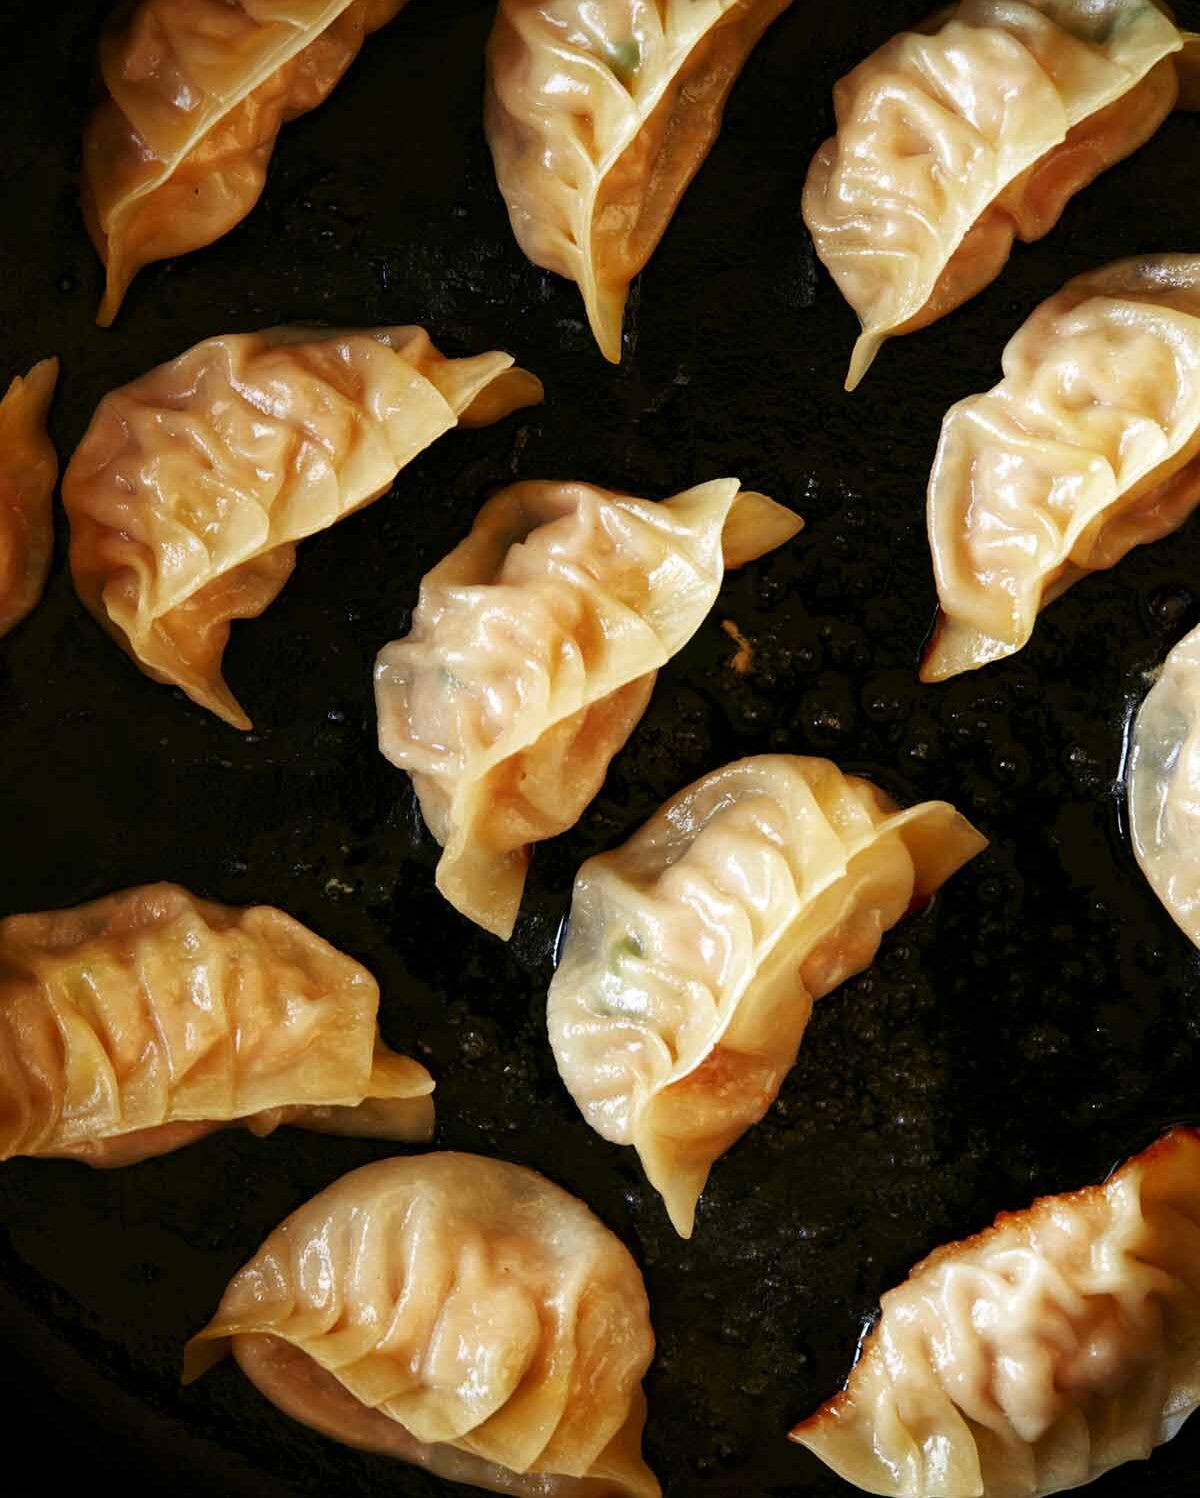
(531, 657)
(598, 117)
(192, 485)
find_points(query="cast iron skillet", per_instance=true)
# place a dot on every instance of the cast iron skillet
(1036, 1024)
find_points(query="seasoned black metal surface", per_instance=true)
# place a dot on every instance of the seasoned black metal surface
(1033, 1026)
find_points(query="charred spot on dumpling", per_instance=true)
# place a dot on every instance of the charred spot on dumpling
(1051, 1348)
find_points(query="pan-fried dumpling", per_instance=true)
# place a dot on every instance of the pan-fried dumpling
(458, 1313)
(197, 90)
(1164, 785)
(532, 656)
(137, 1023)
(28, 471)
(977, 129)
(1088, 447)
(696, 951)
(598, 116)
(193, 485)
(1061, 1342)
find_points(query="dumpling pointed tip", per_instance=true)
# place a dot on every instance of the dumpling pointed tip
(36, 388)
(116, 285)
(43, 377)
(110, 305)
(864, 355)
(202, 1352)
(235, 717)
(610, 344)
(606, 315)
(681, 1209)
(496, 915)
(755, 526)
(935, 665)
(216, 698)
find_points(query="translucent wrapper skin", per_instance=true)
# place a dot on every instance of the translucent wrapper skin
(1164, 785)
(140, 1022)
(533, 654)
(696, 951)
(193, 485)
(1088, 447)
(177, 152)
(458, 1313)
(599, 113)
(28, 472)
(1058, 1344)
(977, 129)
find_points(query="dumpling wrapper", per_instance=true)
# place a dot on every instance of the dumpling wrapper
(193, 485)
(197, 90)
(137, 1023)
(697, 949)
(1060, 1343)
(1164, 785)
(532, 656)
(1088, 447)
(599, 113)
(956, 139)
(458, 1313)
(28, 472)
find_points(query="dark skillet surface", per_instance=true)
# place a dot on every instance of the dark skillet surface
(1032, 1027)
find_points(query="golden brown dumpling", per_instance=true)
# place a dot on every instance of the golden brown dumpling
(532, 656)
(178, 151)
(1058, 1344)
(140, 1022)
(599, 113)
(1088, 447)
(458, 1313)
(972, 131)
(696, 950)
(28, 470)
(193, 485)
